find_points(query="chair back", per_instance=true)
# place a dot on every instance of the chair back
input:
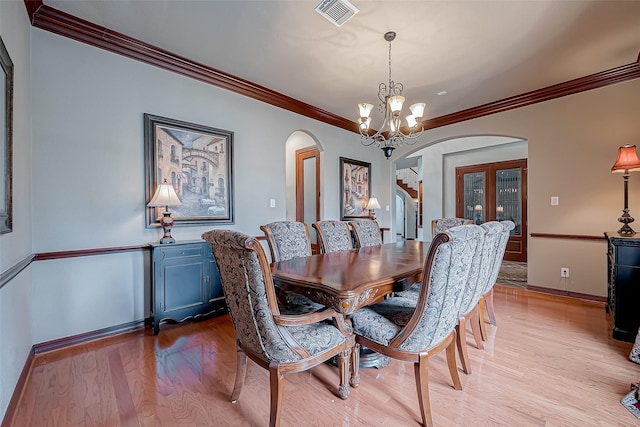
(287, 240)
(498, 253)
(444, 277)
(441, 224)
(481, 267)
(334, 236)
(249, 293)
(367, 233)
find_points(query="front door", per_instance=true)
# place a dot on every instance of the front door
(496, 191)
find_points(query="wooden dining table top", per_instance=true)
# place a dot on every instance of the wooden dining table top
(352, 279)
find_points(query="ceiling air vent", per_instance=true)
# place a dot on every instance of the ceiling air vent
(337, 11)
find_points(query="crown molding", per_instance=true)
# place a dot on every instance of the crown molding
(64, 24)
(571, 87)
(55, 21)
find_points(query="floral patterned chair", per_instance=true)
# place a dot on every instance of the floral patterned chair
(280, 343)
(334, 236)
(402, 329)
(441, 224)
(367, 233)
(486, 300)
(481, 271)
(288, 240)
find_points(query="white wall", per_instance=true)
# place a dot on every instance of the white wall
(88, 173)
(572, 144)
(15, 296)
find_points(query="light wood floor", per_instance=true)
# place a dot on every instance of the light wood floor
(550, 361)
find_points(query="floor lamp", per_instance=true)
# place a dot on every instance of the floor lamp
(626, 162)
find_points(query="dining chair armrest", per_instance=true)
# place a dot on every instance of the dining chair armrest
(303, 319)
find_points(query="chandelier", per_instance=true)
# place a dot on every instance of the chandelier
(392, 133)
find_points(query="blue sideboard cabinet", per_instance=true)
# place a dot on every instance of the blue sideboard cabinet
(185, 282)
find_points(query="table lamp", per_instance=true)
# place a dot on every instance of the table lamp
(371, 205)
(626, 162)
(165, 196)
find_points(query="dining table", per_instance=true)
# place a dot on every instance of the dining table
(352, 279)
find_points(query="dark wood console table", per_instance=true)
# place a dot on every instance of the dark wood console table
(623, 288)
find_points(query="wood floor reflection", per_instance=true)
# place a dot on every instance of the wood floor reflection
(550, 361)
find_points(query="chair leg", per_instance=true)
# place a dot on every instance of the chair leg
(276, 382)
(355, 366)
(241, 370)
(421, 371)
(490, 311)
(461, 343)
(475, 327)
(451, 363)
(481, 310)
(343, 369)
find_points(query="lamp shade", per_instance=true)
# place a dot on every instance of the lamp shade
(165, 196)
(627, 160)
(373, 203)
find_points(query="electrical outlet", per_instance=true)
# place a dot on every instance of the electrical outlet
(564, 272)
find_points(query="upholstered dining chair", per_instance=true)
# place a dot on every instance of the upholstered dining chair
(288, 240)
(441, 224)
(486, 300)
(405, 330)
(280, 343)
(334, 236)
(367, 233)
(481, 271)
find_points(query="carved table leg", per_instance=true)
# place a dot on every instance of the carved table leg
(355, 366)
(343, 369)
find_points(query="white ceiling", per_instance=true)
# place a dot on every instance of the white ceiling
(477, 51)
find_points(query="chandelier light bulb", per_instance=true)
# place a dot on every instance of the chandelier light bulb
(364, 124)
(411, 121)
(417, 110)
(365, 109)
(395, 103)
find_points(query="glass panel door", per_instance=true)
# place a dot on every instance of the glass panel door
(474, 196)
(509, 197)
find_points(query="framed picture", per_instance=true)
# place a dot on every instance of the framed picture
(355, 188)
(6, 143)
(197, 160)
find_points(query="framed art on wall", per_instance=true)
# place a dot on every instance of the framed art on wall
(197, 161)
(6, 141)
(355, 188)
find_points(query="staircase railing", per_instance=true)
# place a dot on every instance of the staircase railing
(409, 177)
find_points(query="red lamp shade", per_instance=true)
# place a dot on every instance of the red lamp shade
(627, 160)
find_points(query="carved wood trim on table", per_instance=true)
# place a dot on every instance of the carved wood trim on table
(55, 21)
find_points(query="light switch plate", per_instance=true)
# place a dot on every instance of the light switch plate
(555, 200)
(272, 203)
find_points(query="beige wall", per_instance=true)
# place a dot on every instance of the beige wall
(572, 144)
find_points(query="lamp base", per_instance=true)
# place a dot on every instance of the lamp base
(167, 223)
(626, 219)
(626, 230)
